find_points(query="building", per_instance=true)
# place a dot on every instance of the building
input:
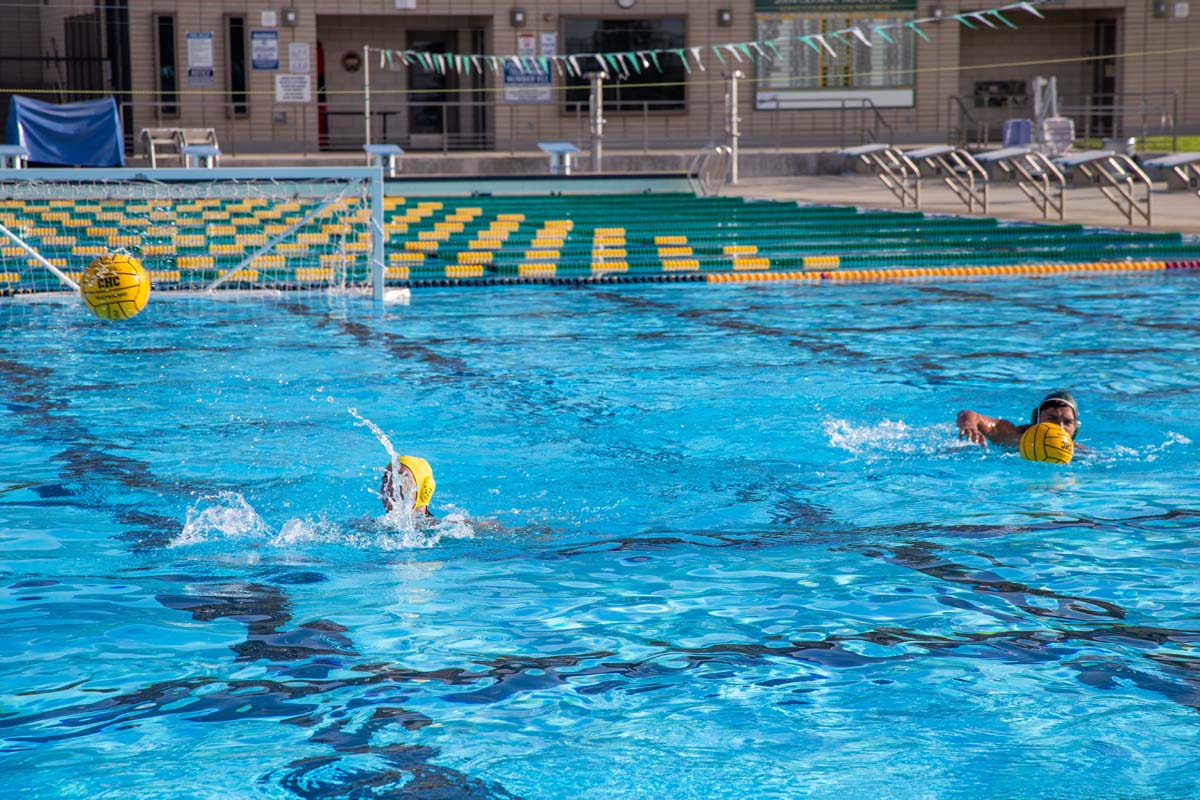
(292, 75)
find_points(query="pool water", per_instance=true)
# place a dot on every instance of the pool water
(693, 542)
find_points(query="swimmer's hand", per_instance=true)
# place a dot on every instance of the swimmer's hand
(971, 427)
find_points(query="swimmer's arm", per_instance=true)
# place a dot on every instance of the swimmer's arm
(980, 429)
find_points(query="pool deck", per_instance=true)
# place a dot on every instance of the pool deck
(1171, 211)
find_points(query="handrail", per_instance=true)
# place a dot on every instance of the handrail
(963, 111)
(879, 120)
(709, 169)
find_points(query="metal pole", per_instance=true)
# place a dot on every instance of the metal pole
(58, 273)
(596, 112)
(731, 122)
(367, 95)
(378, 237)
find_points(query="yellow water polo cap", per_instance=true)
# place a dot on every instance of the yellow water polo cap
(423, 473)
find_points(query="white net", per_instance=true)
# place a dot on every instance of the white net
(188, 234)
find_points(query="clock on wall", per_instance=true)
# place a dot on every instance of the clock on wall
(626, 3)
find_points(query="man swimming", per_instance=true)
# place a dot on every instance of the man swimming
(406, 479)
(1058, 407)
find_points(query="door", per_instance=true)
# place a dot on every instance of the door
(1104, 78)
(432, 121)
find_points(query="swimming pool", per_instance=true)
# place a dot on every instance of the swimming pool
(696, 541)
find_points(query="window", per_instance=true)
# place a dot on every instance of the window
(236, 72)
(648, 90)
(164, 39)
(811, 76)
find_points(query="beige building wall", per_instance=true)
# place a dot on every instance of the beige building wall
(1155, 61)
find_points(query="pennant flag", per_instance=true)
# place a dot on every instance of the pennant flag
(916, 30)
(995, 13)
(630, 62)
(825, 44)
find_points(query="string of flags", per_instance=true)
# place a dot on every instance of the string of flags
(634, 62)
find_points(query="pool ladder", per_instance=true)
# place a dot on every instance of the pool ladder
(710, 169)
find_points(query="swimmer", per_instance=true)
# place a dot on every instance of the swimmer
(1058, 407)
(408, 477)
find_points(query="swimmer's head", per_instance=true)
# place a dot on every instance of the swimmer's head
(1060, 408)
(408, 478)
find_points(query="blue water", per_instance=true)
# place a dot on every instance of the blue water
(693, 542)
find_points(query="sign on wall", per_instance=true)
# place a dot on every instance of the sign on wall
(298, 62)
(293, 89)
(200, 59)
(264, 49)
(529, 81)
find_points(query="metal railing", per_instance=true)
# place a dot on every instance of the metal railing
(471, 124)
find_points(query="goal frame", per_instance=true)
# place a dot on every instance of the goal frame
(372, 177)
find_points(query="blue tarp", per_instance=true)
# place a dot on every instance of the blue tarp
(86, 134)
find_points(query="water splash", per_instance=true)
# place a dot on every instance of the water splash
(393, 456)
(1147, 454)
(889, 437)
(221, 517)
(399, 502)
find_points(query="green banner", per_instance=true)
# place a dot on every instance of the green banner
(848, 6)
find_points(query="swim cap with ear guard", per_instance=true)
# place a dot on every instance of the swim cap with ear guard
(1058, 396)
(423, 473)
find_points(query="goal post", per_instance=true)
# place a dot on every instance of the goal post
(195, 228)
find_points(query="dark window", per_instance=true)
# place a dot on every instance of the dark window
(164, 32)
(237, 66)
(629, 90)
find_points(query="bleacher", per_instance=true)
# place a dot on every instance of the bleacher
(188, 244)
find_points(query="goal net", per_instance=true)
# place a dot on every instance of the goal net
(194, 229)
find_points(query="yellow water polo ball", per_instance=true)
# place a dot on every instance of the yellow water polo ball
(1047, 442)
(115, 286)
